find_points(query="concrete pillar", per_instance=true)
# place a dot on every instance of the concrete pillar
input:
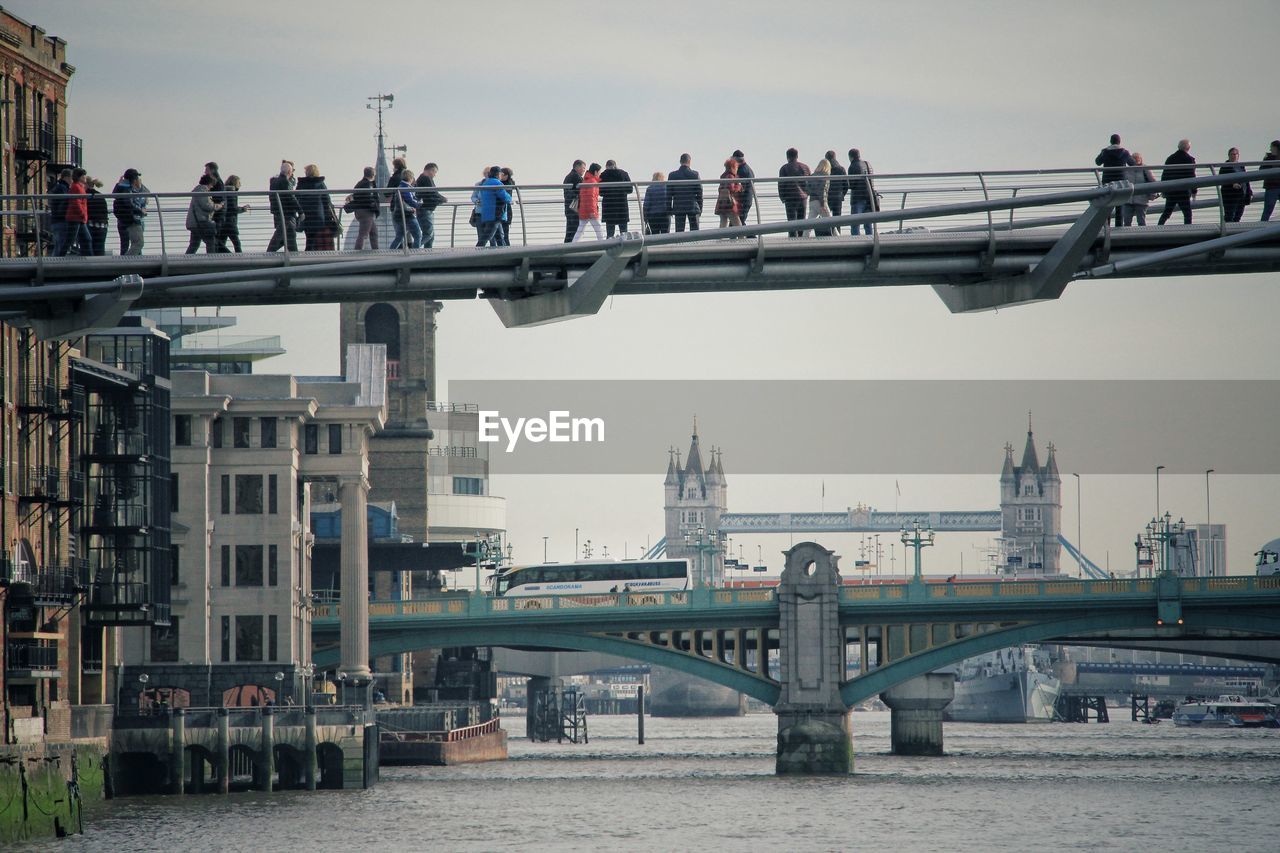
(813, 722)
(224, 752)
(537, 686)
(310, 759)
(353, 492)
(75, 666)
(915, 706)
(177, 750)
(268, 759)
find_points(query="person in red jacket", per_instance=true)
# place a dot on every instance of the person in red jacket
(78, 216)
(589, 203)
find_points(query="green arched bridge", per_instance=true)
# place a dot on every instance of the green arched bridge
(909, 629)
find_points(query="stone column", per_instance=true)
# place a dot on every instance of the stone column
(353, 492)
(177, 750)
(224, 752)
(268, 759)
(915, 706)
(813, 722)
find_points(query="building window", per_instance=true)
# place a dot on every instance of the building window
(273, 648)
(468, 486)
(164, 642)
(248, 494)
(248, 565)
(272, 564)
(335, 438)
(182, 430)
(240, 432)
(175, 576)
(226, 566)
(215, 432)
(311, 439)
(1028, 490)
(273, 490)
(173, 492)
(248, 638)
(225, 480)
(226, 639)
(268, 432)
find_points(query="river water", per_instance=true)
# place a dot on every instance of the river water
(709, 785)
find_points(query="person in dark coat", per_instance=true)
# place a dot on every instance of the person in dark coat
(211, 169)
(58, 212)
(318, 221)
(837, 189)
(284, 209)
(99, 216)
(1178, 165)
(1113, 159)
(431, 199)
(791, 189)
(686, 198)
(229, 227)
(1270, 186)
(745, 178)
(365, 208)
(1234, 196)
(571, 182)
(613, 199)
(862, 190)
(506, 215)
(657, 205)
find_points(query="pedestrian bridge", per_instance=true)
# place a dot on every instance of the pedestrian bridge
(982, 240)
(907, 630)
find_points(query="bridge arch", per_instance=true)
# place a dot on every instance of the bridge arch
(400, 642)
(1062, 630)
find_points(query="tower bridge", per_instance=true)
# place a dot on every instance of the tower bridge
(811, 625)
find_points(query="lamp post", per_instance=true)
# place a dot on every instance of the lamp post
(917, 539)
(342, 687)
(1159, 468)
(1209, 552)
(544, 549)
(143, 678)
(279, 677)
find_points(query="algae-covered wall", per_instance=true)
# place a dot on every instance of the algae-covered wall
(43, 788)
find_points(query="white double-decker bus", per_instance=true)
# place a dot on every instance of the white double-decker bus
(592, 577)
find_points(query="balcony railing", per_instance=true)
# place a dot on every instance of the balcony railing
(119, 515)
(40, 396)
(29, 655)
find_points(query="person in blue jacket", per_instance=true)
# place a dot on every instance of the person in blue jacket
(494, 199)
(406, 221)
(657, 205)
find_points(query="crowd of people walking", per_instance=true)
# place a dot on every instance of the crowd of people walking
(593, 196)
(1119, 164)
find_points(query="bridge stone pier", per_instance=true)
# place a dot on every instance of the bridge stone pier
(915, 708)
(813, 721)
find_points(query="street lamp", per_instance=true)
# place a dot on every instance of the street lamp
(279, 677)
(544, 549)
(917, 539)
(1208, 523)
(143, 678)
(1159, 468)
(342, 687)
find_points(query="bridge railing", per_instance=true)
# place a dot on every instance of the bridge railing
(1050, 588)
(538, 213)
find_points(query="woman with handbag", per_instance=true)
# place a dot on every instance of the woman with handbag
(727, 198)
(318, 218)
(589, 203)
(816, 186)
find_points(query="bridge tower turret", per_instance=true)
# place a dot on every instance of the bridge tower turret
(696, 497)
(1031, 511)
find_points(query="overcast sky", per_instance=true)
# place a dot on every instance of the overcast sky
(168, 84)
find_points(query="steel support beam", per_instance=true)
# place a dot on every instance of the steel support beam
(98, 311)
(580, 299)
